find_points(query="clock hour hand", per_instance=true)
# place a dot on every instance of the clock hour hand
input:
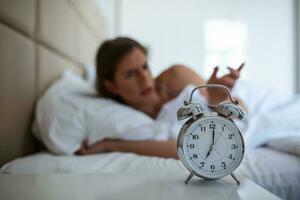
(208, 153)
(210, 149)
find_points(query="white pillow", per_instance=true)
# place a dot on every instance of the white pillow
(70, 112)
(91, 74)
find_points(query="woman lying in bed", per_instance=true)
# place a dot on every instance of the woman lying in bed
(123, 74)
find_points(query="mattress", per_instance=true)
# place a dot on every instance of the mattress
(275, 171)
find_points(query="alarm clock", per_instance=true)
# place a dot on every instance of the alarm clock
(209, 144)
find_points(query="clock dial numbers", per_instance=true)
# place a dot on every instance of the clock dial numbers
(191, 146)
(223, 165)
(214, 147)
(202, 128)
(202, 164)
(212, 167)
(230, 136)
(195, 137)
(212, 125)
(234, 146)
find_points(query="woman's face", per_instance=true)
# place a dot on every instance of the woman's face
(133, 80)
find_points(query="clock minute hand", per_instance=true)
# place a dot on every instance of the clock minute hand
(213, 137)
(212, 145)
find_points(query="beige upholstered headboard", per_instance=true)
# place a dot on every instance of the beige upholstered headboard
(38, 40)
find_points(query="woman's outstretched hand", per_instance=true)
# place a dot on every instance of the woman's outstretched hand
(99, 147)
(216, 95)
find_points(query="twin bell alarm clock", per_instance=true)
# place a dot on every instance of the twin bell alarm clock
(209, 144)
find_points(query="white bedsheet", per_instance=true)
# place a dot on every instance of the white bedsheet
(276, 171)
(279, 122)
(271, 115)
(264, 166)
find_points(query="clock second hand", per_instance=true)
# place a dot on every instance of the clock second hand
(218, 138)
(216, 143)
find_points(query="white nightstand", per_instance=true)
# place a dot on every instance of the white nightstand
(125, 186)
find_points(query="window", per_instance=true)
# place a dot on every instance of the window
(225, 45)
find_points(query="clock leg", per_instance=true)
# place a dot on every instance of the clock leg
(236, 180)
(189, 178)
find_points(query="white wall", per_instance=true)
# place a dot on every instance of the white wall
(173, 30)
(108, 9)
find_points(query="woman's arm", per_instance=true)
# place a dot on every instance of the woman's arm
(175, 78)
(165, 149)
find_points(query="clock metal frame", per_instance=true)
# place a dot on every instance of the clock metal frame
(187, 111)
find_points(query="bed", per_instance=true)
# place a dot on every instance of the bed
(39, 40)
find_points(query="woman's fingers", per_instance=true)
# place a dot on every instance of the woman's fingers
(83, 148)
(228, 80)
(97, 147)
(241, 67)
(85, 143)
(213, 78)
(214, 74)
(233, 73)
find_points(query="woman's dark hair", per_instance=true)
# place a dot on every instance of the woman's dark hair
(109, 54)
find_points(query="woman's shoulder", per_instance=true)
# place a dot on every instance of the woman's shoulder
(175, 79)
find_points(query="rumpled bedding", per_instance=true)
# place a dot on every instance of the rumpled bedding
(271, 116)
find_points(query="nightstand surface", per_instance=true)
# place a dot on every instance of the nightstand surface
(126, 186)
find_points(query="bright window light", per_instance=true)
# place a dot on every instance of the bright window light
(225, 45)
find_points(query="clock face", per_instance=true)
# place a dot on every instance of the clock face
(211, 146)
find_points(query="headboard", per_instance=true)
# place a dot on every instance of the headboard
(38, 40)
